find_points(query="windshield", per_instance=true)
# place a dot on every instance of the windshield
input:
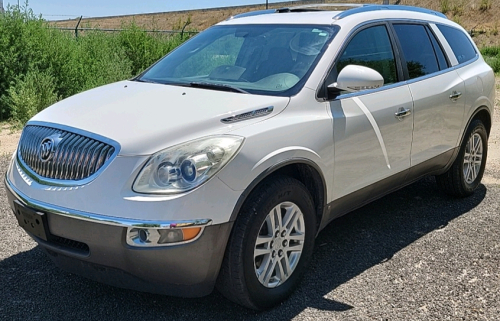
(258, 59)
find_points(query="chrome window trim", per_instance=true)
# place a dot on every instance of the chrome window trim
(101, 219)
(68, 183)
(370, 91)
(438, 73)
(407, 82)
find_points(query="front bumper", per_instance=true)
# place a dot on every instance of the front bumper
(95, 247)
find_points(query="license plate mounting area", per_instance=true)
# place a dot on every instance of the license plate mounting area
(32, 221)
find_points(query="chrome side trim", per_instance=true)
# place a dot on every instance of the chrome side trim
(100, 219)
(248, 115)
(406, 82)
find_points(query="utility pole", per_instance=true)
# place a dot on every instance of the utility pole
(267, 4)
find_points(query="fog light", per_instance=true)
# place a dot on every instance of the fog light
(159, 236)
(143, 236)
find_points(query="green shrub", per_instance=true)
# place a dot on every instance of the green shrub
(490, 51)
(492, 57)
(30, 94)
(143, 48)
(494, 63)
(30, 49)
(445, 6)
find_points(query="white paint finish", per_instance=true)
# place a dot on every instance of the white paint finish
(438, 119)
(359, 158)
(302, 131)
(111, 194)
(145, 118)
(375, 127)
(479, 82)
(354, 78)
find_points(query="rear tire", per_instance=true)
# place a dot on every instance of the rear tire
(466, 173)
(270, 246)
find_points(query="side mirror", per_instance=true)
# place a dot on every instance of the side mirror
(353, 78)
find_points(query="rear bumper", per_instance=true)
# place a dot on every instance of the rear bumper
(98, 250)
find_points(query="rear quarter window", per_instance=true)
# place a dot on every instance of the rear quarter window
(459, 43)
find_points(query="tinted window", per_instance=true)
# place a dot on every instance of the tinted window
(459, 43)
(372, 48)
(443, 63)
(417, 49)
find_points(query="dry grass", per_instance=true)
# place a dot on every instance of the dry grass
(480, 16)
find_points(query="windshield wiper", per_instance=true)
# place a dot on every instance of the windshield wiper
(146, 81)
(222, 87)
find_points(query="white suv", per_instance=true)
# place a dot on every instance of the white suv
(219, 165)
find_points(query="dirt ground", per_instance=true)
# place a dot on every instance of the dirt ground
(9, 138)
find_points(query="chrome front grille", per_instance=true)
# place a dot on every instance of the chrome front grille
(73, 157)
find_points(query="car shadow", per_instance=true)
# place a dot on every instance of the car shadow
(33, 288)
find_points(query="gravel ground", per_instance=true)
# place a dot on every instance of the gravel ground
(413, 255)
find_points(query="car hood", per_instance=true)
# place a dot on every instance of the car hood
(145, 118)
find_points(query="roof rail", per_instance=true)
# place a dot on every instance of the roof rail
(303, 8)
(354, 8)
(374, 7)
(311, 7)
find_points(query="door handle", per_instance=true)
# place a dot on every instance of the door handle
(402, 112)
(455, 95)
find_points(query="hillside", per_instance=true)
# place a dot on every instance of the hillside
(479, 16)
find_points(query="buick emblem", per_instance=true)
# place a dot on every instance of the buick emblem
(47, 147)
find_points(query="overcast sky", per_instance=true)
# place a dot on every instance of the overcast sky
(65, 9)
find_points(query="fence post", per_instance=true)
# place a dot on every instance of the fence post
(185, 25)
(76, 28)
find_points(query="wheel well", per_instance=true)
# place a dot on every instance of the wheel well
(313, 181)
(485, 118)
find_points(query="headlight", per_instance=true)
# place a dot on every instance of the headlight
(183, 167)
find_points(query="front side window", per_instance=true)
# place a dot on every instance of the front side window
(459, 43)
(260, 59)
(417, 49)
(371, 47)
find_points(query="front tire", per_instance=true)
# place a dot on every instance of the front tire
(270, 246)
(466, 173)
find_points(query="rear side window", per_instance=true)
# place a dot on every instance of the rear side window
(417, 48)
(459, 43)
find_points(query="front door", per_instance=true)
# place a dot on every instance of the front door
(372, 143)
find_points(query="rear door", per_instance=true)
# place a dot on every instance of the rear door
(437, 93)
